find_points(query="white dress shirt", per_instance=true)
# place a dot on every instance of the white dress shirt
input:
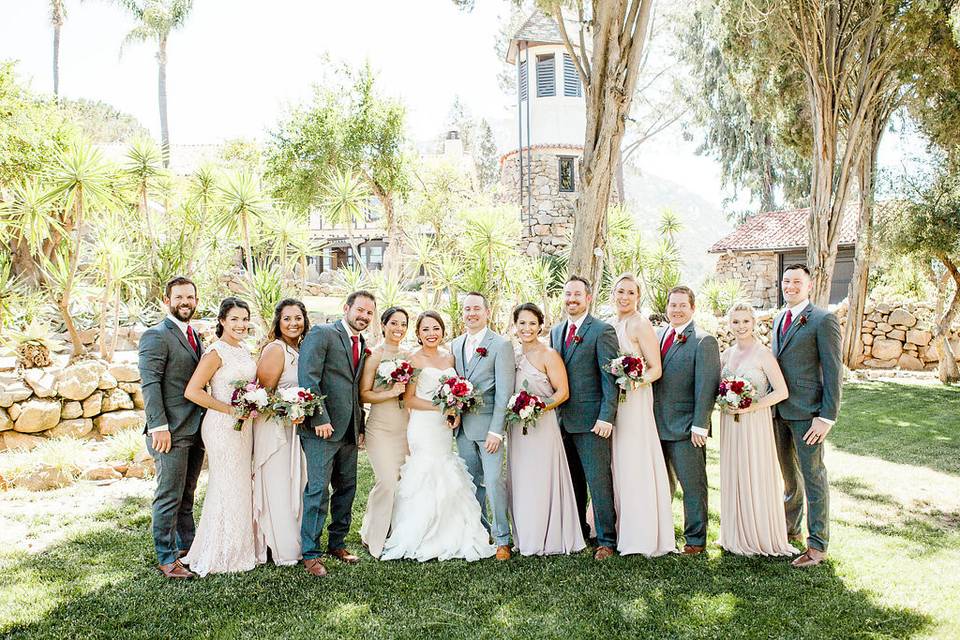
(700, 431)
(183, 327)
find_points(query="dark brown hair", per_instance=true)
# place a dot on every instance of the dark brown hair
(386, 315)
(225, 307)
(576, 278)
(278, 312)
(528, 306)
(177, 281)
(486, 305)
(429, 314)
(360, 293)
(684, 289)
(797, 265)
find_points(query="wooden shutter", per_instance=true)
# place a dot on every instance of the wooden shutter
(571, 79)
(546, 76)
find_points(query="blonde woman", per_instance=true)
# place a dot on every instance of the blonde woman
(752, 518)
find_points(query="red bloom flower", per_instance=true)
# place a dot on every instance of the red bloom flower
(366, 351)
(802, 320)
(482, 352)
(577, 339)
(682, 339)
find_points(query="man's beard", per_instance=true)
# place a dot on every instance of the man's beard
(178, 314)
(353, 325)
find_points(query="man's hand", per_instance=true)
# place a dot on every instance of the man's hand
(492, 443)
(817, 432)
(160, 440)
(698, 440)
(602, 429)
(361, 442)
(324, 430)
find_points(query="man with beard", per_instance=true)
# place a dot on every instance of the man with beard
(331, 359)
(169, 353)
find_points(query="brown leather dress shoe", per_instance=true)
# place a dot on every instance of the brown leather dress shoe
(315, 567)
(602, 553)
(176, 571)
(692, 549)
(343, 556)
(809, 558)
(503, 552)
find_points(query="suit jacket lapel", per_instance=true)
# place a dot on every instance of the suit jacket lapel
(581, 331)
(457, 348)
(475, 357)
(677, 343)
(171, 325)
(347, 346)
(795, 326)
(777, 322)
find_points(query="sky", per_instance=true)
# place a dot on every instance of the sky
(237, 65)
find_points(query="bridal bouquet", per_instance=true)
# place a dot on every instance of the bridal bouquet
(249, 400)
(456, 394)
(735, 393)
(295, 403)
(524, 409)
(629, 370)
(391, 372)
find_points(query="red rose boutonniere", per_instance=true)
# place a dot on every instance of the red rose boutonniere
(802, 320)
(367, 352)
(577, 339)
(482, 352)
(681, 338)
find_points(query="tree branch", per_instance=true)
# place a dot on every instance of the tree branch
(581, 71)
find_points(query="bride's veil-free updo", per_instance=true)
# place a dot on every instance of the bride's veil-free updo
(226, 306)
(430, 313)
(631, 278)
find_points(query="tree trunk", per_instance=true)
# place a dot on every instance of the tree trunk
(56, 56)
(104, 302)
(947, 370)
(248, 252)
(162, 94)
(393, 256)
(116, 325)
(68, 286)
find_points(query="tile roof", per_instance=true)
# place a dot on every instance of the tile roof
(539, 27)
(780, 230)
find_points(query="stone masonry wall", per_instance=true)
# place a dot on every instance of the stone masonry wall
(757, 273)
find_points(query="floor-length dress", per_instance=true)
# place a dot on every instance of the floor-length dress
(436, 514)
(752, 520)
(224, 541)
(279, 476)
(641, 486)
(543, 506)
(386, 444)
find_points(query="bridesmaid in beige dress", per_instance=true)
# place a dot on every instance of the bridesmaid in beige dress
(542, 502)
(751, 487)
(641, 486)
(386, 431)
(279, 467)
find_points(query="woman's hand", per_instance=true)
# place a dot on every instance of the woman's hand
(398, 389)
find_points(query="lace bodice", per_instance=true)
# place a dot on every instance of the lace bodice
(236, 364)
(429, 381)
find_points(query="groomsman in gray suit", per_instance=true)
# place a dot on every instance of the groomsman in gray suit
(331, 359)
(683, 400)
(806, 341)
(169, 353)
(486, 360)
(587, 345)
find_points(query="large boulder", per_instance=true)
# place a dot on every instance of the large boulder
(919, 337)
(125, 372)
(135, 391)
(6, 424)
(116, 399)
(910, 363)
(107, 381)
(14, 440)
(42, 479)
(14, 392)
(78, 381)
(105, 472)
(884, 349)
(76, 428)
(37, 415)
(110, 423)
(71, 409)
(93, 405)
(43, 383)
(873, 363)
(902, 316)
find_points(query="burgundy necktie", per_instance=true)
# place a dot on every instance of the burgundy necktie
(192, 339)
(787, 321)
(356, 351)
(668, 342)
(570, 335)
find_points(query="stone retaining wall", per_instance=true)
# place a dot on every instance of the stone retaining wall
(88, 399)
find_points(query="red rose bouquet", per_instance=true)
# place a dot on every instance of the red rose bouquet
(629, 370)
(735, 393)
(295, 404)
(456, 395)
(391, 372)
(249, 400)
(524, 409)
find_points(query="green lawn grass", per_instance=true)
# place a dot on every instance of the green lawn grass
(894, 570)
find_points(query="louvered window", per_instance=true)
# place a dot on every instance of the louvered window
(546, 76)
(523, 80)
(571, 79)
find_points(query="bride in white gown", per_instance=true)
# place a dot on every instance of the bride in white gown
(436, 514)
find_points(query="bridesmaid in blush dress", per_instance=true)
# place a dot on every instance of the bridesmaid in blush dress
(752, 520)
(542, 501)
(279, 467)
(641, 486)
(385, 435)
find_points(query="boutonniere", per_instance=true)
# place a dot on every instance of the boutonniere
(802, 320)
(367, 353)
(577, 339)
(482, 352)
(682, 338)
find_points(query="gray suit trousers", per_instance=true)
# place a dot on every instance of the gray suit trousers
(329, 463)
(177, 473)
(688, 464)
(486, 469)
(803, 472)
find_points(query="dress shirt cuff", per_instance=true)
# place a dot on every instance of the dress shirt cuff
(162, 427)
(827, 420)
(699, 431)
(498, 436)
(605, 423)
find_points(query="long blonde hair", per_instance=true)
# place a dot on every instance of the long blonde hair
(626, 276)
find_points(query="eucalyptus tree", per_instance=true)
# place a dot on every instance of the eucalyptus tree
(156, 20)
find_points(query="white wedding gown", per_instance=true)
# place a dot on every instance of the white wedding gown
(436, 514)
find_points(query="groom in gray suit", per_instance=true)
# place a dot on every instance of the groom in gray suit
(331, 359)
(169, 353)
(486, 360)
(683, 400)
(806, 342)
(587, 345)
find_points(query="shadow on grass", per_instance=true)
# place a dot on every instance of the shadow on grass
(902, 423)
(101, 585)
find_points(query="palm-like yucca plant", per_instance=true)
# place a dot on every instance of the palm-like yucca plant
(720, 295)
(282, 230)
(203, 191)
(490, 233)
(115, 266)
(669, 226)
(143, 166)
(266, 289)
(445, 274)
(31, 217)
(82, 181)
(243, 206)
(389, 290)
(344, 202)
(351, 278)
(11, 291)
(302, 248)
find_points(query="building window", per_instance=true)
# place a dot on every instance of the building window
(374, 257)
(567, 182)
(546, 76)
(571, 79)
(523, 80)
